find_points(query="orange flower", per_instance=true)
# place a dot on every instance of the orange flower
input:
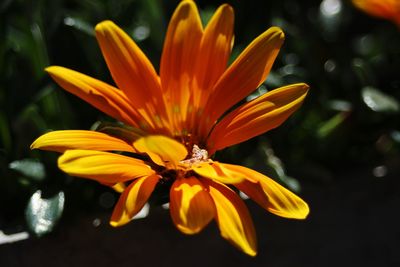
(387, 9)
(181, 110)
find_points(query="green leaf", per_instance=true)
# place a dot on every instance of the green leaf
(42, 214)
(379, 101)
(29, 167)
(326, 128)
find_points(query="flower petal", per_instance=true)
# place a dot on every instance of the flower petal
(270, 195)
(102, 166)
(216, 171)
(257, 116)
(60, 141)
(191, 206)
(214, 52)
(387, 9)
(102, 96)
(246, 73)
(132, 71)
(162, 150)
(132, 200)
(181, 45)
(233, 218)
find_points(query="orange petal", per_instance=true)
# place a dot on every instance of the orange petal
(131, 70)
(102, 96)
(133, 199)
(215, 49)
(162, 150)
(257, 116)
(387, 9)
(181, 46)
(101, 166)
(233, 218)
(216, 171)
(246, 73)
(60, 141)
(270, 195)
(191, 206)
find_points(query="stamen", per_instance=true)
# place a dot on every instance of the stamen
(198, 155)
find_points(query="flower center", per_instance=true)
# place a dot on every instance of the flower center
(198, 155)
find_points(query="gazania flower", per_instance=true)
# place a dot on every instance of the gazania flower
(175, 121)
(386, 9)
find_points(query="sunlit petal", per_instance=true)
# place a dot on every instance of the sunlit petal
(270, 195)
(191, 206)
(162, 150)
(97, 93)
(131, 70)
(102, 166)
(246, 73)
(132, 200)
(60, 141)
(214, 51)
(233, 218)
(216, 171)
(177, 69)
(257, 116)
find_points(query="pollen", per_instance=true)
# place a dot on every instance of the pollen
(198, 155)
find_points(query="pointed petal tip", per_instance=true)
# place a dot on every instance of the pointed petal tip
(52, 69)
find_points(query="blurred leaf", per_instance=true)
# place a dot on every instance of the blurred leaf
(379, 101)
(42, 214)
(363, 71)
(79, 25)
(276, 164)
(29, 167)
(329, 126)
(340, 105)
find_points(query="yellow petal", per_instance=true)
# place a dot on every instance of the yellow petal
(102, 96)
(60, 141)
(191, 206)
(101, 166)
(216, 171)
(181, 46)
(215, 49)
(133, 199)
(257, 116)
(246, 73)
(233, 218)
(131, 70)
(162, 150)
(270, 195)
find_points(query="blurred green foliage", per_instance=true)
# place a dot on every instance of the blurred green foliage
(350, 118)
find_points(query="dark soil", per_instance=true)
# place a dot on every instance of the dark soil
(354, 221)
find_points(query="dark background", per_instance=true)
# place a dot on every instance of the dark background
(340, 151)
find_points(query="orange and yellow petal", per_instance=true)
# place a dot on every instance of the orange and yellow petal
(102, 96)
(162, 150)
(386, 9)
(61, 141)
(257, 116)
(270, 195)
(181, 46)
(214, 52)
(246, 73)
(233, 218)
(217, 172)
(132, 71)
(191, 206)
(133, 199)
(103, 167)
